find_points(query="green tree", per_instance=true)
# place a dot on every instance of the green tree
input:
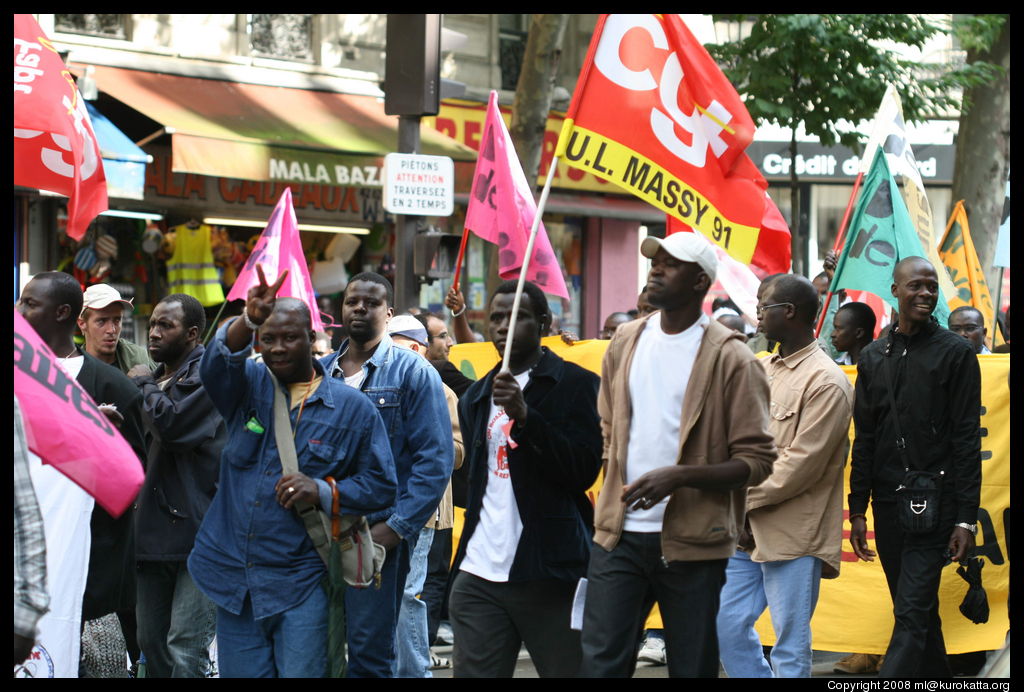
(820, 70)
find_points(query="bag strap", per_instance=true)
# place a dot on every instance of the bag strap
(312, 518)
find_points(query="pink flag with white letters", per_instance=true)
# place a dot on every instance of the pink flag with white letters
(279, 248)
(67, 430)
(501, 209)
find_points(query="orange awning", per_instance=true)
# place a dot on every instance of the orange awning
(256, 132)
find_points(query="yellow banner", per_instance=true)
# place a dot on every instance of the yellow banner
(657, 186)
(854, 611)
(964, 268)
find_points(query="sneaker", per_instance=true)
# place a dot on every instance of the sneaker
(859, 664)
(439, 662)
(652, 651)
(444, 635)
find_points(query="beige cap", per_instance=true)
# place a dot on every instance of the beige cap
(688, 247)
(99, 296)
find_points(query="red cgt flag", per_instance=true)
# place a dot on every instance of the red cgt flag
(654, 114)
(55, 147)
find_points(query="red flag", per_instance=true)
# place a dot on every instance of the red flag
(66, 429)
(501, 209)
(55, 147)
(654, 114)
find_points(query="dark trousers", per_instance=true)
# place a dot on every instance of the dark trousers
(492, 620)
(435, 588)
(913, 566)
(623, 584)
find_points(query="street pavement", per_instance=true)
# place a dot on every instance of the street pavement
(820, 668)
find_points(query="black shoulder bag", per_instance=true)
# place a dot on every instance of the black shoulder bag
(918, 497)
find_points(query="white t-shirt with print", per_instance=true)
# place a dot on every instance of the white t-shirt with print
(492, 549)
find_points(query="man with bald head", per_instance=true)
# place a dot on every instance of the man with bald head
(918, 403)
(795, 517)
(253, 556)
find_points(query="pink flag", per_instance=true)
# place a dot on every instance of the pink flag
(55, 147)
(501, 208)
(279, 248)
(65, 428)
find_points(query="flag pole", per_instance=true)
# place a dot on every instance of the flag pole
(458, 262)
(837, 248)
(213, 325)
(526, 264)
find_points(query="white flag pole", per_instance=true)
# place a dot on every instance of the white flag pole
(526, 264)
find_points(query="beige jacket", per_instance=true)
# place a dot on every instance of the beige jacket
(724, 417)
(445, 517)
(798, 510)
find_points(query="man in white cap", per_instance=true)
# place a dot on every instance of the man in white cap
(684, 413)
(100, 322)
(412, 642)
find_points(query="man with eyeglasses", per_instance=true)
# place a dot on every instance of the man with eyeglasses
(794, 522)
(969, 323)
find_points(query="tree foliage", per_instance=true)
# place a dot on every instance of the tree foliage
(821, 69)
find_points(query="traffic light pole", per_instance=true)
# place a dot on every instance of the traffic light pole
(407, 285)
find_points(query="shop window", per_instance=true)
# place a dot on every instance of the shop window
(284, 36)
(512, 32)
(106, 25)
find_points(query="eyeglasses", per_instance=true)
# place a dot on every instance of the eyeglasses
(760, 309)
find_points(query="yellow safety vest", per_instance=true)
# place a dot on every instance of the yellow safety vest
(191, 269)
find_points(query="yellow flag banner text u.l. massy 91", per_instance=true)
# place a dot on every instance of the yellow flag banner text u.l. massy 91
(854, 611)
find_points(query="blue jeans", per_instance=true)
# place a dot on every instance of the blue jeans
(789, 589)
(412, 650)
(175, 621)
(291, 644)
(371, 616)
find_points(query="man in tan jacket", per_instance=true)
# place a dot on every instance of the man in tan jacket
(795, 517)
(684, 414)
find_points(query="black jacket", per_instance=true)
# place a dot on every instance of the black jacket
(110, 585)
(556, 461)
(937, 388)
(183, 464)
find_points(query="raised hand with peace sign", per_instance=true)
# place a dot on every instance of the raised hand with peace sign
(258, 306)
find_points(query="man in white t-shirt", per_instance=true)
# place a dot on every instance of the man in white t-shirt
(533, 448)
(684, 412)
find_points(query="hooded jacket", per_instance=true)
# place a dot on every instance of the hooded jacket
(724, 417)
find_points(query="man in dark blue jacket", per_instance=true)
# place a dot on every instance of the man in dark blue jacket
(187, 435)
(533, 445)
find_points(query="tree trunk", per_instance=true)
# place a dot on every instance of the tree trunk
(983, 155)
(795, 229)
(534, 89)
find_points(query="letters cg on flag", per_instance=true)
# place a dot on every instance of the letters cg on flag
(654, 114)
(501, 209)
(278, 249)
(55, 148)
(881, 235)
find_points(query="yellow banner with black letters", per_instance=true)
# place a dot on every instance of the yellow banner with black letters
(854, 611)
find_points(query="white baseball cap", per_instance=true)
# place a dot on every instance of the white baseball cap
(688, 247)
(99, 296)
(409, 327)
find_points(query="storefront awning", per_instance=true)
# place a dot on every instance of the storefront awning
(124, 164)
(256, 132)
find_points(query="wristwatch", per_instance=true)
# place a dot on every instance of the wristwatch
(973, 528)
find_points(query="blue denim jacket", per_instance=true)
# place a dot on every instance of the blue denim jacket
(248, 543)
(406, 390)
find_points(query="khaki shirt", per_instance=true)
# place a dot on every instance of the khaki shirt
(445, 516)
(798, 510)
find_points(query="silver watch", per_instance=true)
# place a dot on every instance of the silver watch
(973, 528)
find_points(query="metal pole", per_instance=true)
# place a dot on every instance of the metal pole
(406, 283)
